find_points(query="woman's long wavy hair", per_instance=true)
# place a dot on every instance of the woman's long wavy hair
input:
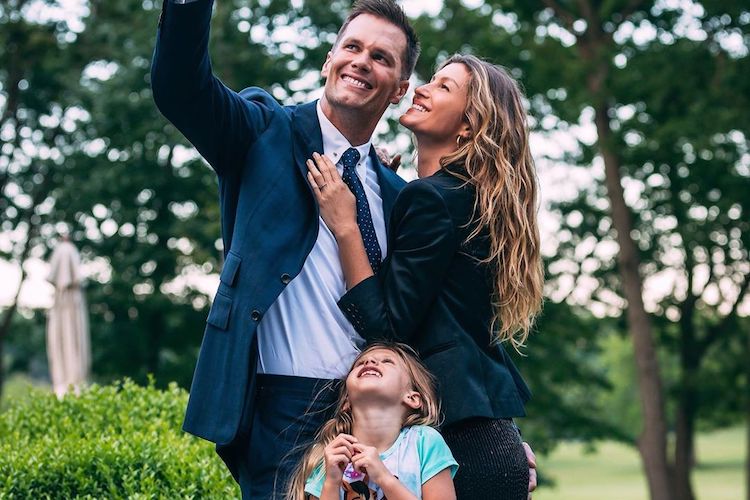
(499, 165)
(422, 382)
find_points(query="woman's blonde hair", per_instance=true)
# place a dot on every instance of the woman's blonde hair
(427, 414)
(499, 165)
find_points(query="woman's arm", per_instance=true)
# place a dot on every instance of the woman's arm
(392, 304)
(353, 257)
(423, 242)
(338, 208)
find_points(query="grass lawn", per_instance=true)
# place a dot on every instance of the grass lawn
(613, 472)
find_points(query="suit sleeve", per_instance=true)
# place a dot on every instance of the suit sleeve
(220, 123)
(391, 305)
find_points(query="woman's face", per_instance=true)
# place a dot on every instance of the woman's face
(437, 111)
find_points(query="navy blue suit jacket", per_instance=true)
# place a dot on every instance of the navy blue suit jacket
(269, 218)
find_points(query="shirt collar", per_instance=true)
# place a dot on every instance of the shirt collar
(334, 144)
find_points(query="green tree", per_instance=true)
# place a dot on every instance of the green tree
(680, 143)
(563, 365)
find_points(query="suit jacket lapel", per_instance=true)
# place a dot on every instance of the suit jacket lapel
(307, 136)
(308, 139)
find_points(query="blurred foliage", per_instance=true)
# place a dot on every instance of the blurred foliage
(563, 366)
(118, 441)
(26, 351)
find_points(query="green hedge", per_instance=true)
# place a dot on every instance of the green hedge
(117, 441)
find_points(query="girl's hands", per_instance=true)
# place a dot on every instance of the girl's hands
(338, 206)
(367, 459)
(337, 455)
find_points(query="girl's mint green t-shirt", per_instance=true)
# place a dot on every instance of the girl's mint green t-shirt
(418, 454)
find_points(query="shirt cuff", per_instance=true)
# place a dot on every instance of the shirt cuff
(182, 1)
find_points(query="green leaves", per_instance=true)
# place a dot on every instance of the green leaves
(117, 441)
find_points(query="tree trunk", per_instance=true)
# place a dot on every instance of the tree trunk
(690, 359)
(685, 446)
(652, 443)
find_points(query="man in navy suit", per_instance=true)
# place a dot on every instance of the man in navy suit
(275, 337)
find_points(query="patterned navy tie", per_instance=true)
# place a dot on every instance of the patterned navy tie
(364, 220)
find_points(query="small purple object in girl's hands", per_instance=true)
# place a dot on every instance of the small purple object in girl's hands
(351, 475)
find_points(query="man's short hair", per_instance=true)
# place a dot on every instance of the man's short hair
(394, 14)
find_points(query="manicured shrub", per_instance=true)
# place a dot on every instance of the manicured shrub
(116, 441)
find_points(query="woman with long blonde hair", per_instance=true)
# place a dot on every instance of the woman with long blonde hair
(464, 274)
(380, 442)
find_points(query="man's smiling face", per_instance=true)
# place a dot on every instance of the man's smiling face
(363, 71)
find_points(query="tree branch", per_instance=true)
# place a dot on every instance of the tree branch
(588, 12)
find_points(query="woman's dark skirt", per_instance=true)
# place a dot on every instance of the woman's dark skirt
(491, 459)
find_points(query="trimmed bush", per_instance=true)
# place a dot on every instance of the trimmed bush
(117, 441)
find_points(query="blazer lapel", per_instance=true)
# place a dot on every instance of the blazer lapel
(307, 136)
(309, 139)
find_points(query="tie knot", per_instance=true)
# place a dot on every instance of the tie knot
(350, 158)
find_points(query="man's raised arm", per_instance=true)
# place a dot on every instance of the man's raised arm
(220, 123)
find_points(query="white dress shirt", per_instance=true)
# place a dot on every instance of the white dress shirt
(304, 333)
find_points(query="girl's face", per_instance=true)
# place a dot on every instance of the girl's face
(437, 111)
(381, 375)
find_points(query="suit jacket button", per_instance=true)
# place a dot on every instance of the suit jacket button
(255, 315)
(285, 278)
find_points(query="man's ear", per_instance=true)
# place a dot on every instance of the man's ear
(326, 66)
(413, 400)
(400, 92)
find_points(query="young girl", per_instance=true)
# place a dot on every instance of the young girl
(380, 444)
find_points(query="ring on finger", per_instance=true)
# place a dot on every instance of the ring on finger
(321, 187)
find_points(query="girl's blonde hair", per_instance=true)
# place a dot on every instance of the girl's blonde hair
(499, 165)
(427, 414)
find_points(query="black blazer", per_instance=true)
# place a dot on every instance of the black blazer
(434, 295)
